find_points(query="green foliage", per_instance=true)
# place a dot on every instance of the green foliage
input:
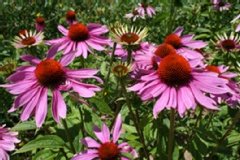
(197, 135)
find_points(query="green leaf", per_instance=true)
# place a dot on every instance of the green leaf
(102, 106)
(45, 154)
(48, 141)
(24, 126)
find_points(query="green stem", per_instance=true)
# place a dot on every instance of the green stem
(159, 134)
(199, 117)
(171, 134)
(111, 62)
(82, 61)
(82, 121)
(171, 12)
(210, 120)
(64, 153)
(129, 57)
(134, 118)
(68, 136)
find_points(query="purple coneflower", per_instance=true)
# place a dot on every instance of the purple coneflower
(178, 85)
(185, 45)
(71, 17)
(228, 43)
(220, 5)
(107, 148)
(40, 24)
(145, 10)
(31, 84)
(233, 98)
(7, 140)
(27, 39)
(79, 39)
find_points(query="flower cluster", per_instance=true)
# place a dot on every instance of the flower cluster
(173, 74)
(143, 10)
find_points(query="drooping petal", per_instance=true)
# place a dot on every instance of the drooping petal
(85, 156)
(90, 143)
(117, 128)
(59, 108)
(32, 59)
(161, 103)
(41, 109)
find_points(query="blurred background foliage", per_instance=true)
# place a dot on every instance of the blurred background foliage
(197, 16)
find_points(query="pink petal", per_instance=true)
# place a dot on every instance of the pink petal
(202, 99)
(106, 133)
(30, 106)
(178, 31)
(63, 30)
(42, 108)
(67, 59)
(90, 143)
(117, 128)
(85, 156)
(100, 135)
(59, 108)
(29, 58)
(82, 91)
(161, 103)
(195, 44)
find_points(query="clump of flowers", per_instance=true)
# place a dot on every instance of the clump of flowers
(79, 39)
(27, 39)
(31, 84)
(108, 147)
(7, 142)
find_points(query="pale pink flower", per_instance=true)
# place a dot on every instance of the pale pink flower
(134, 15)
(27, 39)
(220, 5)
(7, 142)
(40, 24)
(232, 98)
(228, 43)
(145, 10)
